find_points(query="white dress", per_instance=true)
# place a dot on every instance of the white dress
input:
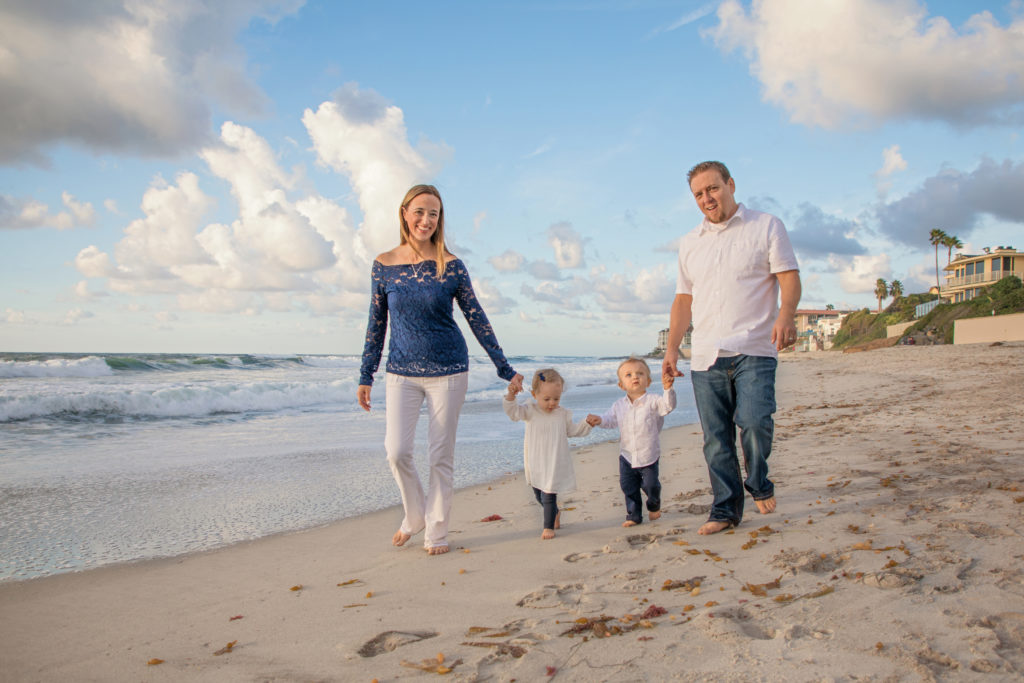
(546, 445)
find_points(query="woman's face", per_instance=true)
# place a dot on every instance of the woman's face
(421, 217)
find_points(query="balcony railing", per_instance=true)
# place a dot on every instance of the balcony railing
(979, 279)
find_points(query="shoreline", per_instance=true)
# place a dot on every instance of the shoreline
(894, 553)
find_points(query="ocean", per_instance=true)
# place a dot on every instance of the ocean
(108, 458)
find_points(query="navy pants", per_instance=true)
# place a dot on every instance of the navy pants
(548, 501)
(633, 480)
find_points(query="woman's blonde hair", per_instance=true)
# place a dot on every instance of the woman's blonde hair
(546, 375)
(437, 239)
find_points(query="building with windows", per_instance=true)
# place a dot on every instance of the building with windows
(968, 275)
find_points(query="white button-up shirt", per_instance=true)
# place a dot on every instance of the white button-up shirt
(639, 424)
(729, 269)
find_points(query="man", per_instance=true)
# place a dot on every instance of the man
(732, 268)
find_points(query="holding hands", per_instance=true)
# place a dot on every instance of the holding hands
(667, 380)
(514, 387)
(593, 420)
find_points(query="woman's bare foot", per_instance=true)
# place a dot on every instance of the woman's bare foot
(654, 515)
(547, 534)
(437, 550)
(629, 522)
(765, 506)
(558, 517)
(713, 527)
(400, 538)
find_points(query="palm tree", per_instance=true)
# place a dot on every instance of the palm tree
(881, 291)
(935, 238)
(895, 289)
(829, 307)
(951, 242)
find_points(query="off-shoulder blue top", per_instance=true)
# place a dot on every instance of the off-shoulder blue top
(425, 340)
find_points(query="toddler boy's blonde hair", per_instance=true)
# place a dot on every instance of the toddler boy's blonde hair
(633, 359)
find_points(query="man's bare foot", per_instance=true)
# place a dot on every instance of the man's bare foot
(558, 517)
(547, 534)
(713, 527)
(765, 506)
(629, 522)
(654, 515)
(437, 550)
(400, 538)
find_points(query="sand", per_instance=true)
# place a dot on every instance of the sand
(895, 554)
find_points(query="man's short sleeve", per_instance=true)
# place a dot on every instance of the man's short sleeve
(684, 285)
(780, 252)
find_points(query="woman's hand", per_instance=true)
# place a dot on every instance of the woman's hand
(517, 383)
(363, 395)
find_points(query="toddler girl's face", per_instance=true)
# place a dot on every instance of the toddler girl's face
(548, 395)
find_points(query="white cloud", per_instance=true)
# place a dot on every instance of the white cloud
(111, 206)
(858, 274)
(478, 220)
(892, 161)
(74, 315)
(507, 262)
(15, 317)
(491, 298)
(365, 138)
(31, 213)
(649, 291)
(568, 245)
(834, 63)
(130, 75)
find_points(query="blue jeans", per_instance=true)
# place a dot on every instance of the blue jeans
(633, 480)
(736, 392)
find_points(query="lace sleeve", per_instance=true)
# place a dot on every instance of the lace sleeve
(478, 322)
(376, 327)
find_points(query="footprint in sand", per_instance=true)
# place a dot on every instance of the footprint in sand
(390, 640)
(570, 596)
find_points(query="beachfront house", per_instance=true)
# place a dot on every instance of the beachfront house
(967, 275)
(815, 328)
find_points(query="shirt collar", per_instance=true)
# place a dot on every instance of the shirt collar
(738, 217)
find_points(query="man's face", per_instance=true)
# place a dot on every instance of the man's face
(714, 196)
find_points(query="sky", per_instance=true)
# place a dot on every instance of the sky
(216, 176)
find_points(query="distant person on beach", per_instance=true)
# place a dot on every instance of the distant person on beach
(732, 269)
(415, 284)
(639, 417)
(546, 459)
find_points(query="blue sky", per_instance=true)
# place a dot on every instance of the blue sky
(217, 176)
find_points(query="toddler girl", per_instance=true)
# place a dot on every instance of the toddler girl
(546, 445)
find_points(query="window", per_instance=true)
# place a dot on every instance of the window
(996, 263)
(969, 269)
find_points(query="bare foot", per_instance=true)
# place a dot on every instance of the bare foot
(654, 515)
(765, 506)
(400, 538)
(547, 534)
(558, 517)
(629, 522)
(437, 550)
(713, 527)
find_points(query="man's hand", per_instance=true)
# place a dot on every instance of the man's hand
(783, 332)
(668, 364)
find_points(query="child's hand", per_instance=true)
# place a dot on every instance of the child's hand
(667, 381)
(513, 389)
(593, 420)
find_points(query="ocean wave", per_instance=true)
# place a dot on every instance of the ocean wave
(176, 401)
(90, 366)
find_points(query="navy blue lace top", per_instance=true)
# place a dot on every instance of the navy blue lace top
(425, 340)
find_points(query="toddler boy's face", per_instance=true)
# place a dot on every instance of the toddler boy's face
(548, 395)
(634, 377)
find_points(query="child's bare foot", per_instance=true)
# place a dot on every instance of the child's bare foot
(437, 550)
(713, 527)
(629, 522)
(547, 534)
(765, 506)
(558, 517)
(654, 515)
(400, 538)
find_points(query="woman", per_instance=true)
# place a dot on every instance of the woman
(416, 283)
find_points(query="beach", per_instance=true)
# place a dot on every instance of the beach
(896, 553)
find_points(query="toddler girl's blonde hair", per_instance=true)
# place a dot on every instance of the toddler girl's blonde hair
(545, 375)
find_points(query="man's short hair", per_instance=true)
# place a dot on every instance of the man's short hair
(708, 166)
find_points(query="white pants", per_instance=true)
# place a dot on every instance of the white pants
(403, 400)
